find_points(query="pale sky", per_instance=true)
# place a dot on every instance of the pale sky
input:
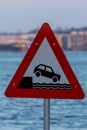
(30, 14)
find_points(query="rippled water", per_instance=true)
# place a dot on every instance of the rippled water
(27, 114)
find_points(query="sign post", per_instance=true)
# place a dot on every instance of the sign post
(46, 114)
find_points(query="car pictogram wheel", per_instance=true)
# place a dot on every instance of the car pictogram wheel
(55, 79)
(37, 73)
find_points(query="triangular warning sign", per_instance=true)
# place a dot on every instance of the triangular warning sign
(45, 71)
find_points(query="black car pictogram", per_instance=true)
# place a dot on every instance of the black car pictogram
(46, 71)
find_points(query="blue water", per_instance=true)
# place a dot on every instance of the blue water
(27, 114)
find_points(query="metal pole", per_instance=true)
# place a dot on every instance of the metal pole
(46, 114)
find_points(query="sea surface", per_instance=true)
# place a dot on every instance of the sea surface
(28, 114)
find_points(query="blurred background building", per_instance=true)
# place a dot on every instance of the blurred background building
(69, 39)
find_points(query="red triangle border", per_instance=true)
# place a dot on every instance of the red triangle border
(76, 92)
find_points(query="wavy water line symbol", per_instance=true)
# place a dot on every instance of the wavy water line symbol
(51, 86)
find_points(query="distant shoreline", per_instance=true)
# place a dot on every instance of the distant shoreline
(13, 47)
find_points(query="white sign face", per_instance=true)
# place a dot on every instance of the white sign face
(45, 70)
